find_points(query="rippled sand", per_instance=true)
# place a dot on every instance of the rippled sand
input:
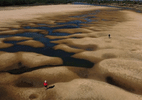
(117, 70)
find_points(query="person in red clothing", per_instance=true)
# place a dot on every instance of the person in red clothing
(45, 83)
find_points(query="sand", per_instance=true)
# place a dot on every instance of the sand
(8, 17)
(9, 61)
(17, 38)
(4, 45)
(116, 74)
(32, 43)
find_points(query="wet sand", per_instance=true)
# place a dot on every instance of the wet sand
(117, 71)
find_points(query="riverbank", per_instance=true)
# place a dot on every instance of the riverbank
(12, 16)
(116, 71)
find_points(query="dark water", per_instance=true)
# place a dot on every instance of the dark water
(48, 49)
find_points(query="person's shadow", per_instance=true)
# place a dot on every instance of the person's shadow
(50, 87)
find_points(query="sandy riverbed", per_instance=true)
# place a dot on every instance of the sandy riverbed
(117, 71)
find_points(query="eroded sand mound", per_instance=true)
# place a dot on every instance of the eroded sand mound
(67, 48)
(69, 36)
(7, 60)
(17, 38)
(32, 43)
(84, 89)
(25, 87)
(124, 73)
(34, 59)
(26, 59)
(96, 56)
(4, 45)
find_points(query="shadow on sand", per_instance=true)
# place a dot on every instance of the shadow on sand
(50, 87)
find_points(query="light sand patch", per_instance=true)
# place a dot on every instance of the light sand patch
(12, 32)
(34, 59)
(70, 43)
(7, 60)
(74, 30)
(30, 24)
(85, 89)
(80, 71)
(105, 19)
(17, 38)
(88, 42)
(124, 73)
(56, 37)
(69, 36)
(18, 60)
(52, 75)
(67, 48)
(96, 56)
(4, 45)
(32, 43)
(9, 17)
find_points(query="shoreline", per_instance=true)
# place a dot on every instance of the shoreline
(12, 16)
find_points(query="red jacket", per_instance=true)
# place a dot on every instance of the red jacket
(45, 84)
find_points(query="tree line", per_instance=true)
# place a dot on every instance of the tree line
(38, 2)
(30, 2)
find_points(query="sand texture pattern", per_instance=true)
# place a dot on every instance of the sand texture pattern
(32, 43)
(116, 73)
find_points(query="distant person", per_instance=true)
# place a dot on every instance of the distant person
(45, 83)
(108, 35)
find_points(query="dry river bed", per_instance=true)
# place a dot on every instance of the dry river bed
(73, 52)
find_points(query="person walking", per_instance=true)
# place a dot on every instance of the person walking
(108, 35)
(45, 83)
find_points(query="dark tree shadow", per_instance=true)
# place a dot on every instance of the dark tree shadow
(50, 87)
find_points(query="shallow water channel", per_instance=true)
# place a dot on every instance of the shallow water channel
(48, 49)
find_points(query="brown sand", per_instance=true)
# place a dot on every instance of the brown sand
(76, 30)
(17, 60)
(67, 48)
(32, 43)
(11, 16)
(4, 45)
(116, 74)
(17, 38)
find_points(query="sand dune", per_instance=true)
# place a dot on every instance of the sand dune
(32, 43)
(116, 74)
(17, 60)
(125, 73)
(67, 48)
